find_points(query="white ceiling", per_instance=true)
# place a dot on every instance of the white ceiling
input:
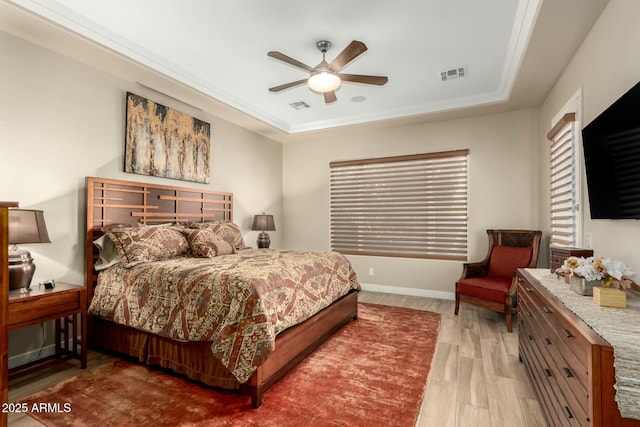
(219, 48)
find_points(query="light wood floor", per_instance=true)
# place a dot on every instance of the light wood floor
(475, 379)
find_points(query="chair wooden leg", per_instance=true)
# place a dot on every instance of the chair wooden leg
(509, 319)
(457, 304)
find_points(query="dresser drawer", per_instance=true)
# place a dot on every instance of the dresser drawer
(525, 311)
(539, 308)
(566, 339)
(575, 349)
(41, 308)
(541, 382)
(573, 387)
(560, 411)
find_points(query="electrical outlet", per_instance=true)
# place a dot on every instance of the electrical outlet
(371, 271)
(587, 240)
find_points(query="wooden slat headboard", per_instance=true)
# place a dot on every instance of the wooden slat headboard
(111, 201)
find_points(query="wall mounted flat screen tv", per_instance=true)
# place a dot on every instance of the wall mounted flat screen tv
(612, 159)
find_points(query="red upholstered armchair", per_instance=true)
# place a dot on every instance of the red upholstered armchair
(491, 283)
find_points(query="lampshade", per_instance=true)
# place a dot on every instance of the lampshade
(263, 222)
(323, 79)
(27, 226)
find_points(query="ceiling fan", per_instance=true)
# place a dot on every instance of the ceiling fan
(325, 78)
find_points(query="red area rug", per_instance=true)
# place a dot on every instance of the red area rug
(372, 372)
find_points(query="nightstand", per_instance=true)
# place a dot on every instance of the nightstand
(559, 254)
(66, 304)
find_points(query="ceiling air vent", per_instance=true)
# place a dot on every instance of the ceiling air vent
(300, 105)
(454, 73)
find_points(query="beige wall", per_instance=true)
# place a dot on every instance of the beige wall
(61, 121)
(605, 66)
(503, 189)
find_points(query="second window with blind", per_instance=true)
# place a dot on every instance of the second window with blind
(564, 184)
(411, 206)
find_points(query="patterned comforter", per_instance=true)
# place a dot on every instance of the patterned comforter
(239, 302)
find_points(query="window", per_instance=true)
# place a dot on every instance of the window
(405, 206)
(563, 184)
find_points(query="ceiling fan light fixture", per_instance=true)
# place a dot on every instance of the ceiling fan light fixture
(324, 81)
(325, 78)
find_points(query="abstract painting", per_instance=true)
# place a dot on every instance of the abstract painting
(161, 141)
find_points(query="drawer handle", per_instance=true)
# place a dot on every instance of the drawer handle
(547, 372)
(567, 333)
(548, 341)
(530, 338)
(567, 412)
(567, 372)
(545, 309)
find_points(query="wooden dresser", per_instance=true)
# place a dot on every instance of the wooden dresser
(569, 364)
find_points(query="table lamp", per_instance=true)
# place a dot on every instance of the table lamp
(264, 223)
(25, 226)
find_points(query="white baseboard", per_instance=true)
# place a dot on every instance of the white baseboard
(32, 356)
(409, 291)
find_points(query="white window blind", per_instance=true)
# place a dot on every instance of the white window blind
(405, 206)
(564, 197)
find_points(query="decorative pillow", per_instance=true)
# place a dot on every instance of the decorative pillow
(505, 259)
(205, 243)
(149, 243)
(224, 230)
(108, 255)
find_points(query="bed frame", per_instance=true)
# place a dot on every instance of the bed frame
(113, 202)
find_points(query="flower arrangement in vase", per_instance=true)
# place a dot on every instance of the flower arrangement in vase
(584, 273)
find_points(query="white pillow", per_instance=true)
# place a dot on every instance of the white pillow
(108, 255)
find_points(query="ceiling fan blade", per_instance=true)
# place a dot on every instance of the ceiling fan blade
(289, 60)
(287, 85)
(349, 53)
(330, 97)
(360, 78)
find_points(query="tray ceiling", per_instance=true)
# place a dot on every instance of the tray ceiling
(219, 48)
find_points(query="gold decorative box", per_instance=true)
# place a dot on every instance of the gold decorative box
(609, 297)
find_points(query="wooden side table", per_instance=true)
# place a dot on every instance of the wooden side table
(4, 311)
(66, 304)
(559, 254)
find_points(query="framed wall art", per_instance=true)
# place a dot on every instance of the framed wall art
(161, 141)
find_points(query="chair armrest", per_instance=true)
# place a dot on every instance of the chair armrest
(474, 269)
(514, 286)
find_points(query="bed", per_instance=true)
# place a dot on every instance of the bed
(211, 309)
